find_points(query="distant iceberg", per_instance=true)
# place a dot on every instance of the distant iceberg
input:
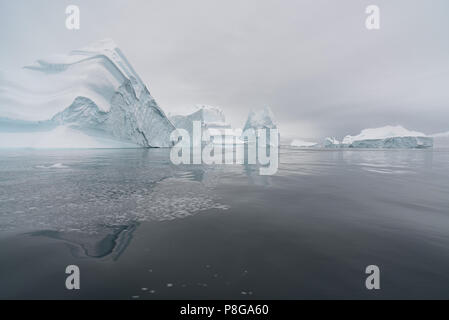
(389, 137)
(303, 144)
(92, 94)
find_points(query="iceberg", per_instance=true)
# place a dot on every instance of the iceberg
(213, 124)
(260, 119)
(303, 144)
(93, 94)
(389, 137)
(331, 142)
(210, 117)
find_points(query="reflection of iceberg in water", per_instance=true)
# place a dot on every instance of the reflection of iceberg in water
(108, 242)
(252, 172)
(99, 199)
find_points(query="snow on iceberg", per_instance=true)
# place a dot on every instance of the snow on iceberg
(381, 134)
(390, 137)
(94, 90)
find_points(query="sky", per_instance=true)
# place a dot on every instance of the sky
(322, 72)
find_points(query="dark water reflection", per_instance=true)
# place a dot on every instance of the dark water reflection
(141, 227)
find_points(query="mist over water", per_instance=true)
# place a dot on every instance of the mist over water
(140, 227)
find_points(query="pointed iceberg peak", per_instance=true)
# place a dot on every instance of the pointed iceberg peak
(260, 119)
(93, 89)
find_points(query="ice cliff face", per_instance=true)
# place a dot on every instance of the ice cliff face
(389, 137)
(213, 123)
(210, 117)
(94, 89)
(331, 142)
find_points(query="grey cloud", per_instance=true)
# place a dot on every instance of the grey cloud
(314, 62)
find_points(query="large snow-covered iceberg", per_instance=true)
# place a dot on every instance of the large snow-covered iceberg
(390, 137)
(93, 92)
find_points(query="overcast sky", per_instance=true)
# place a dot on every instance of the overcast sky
(313, 62)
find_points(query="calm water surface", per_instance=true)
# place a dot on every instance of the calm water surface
(141, 228)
